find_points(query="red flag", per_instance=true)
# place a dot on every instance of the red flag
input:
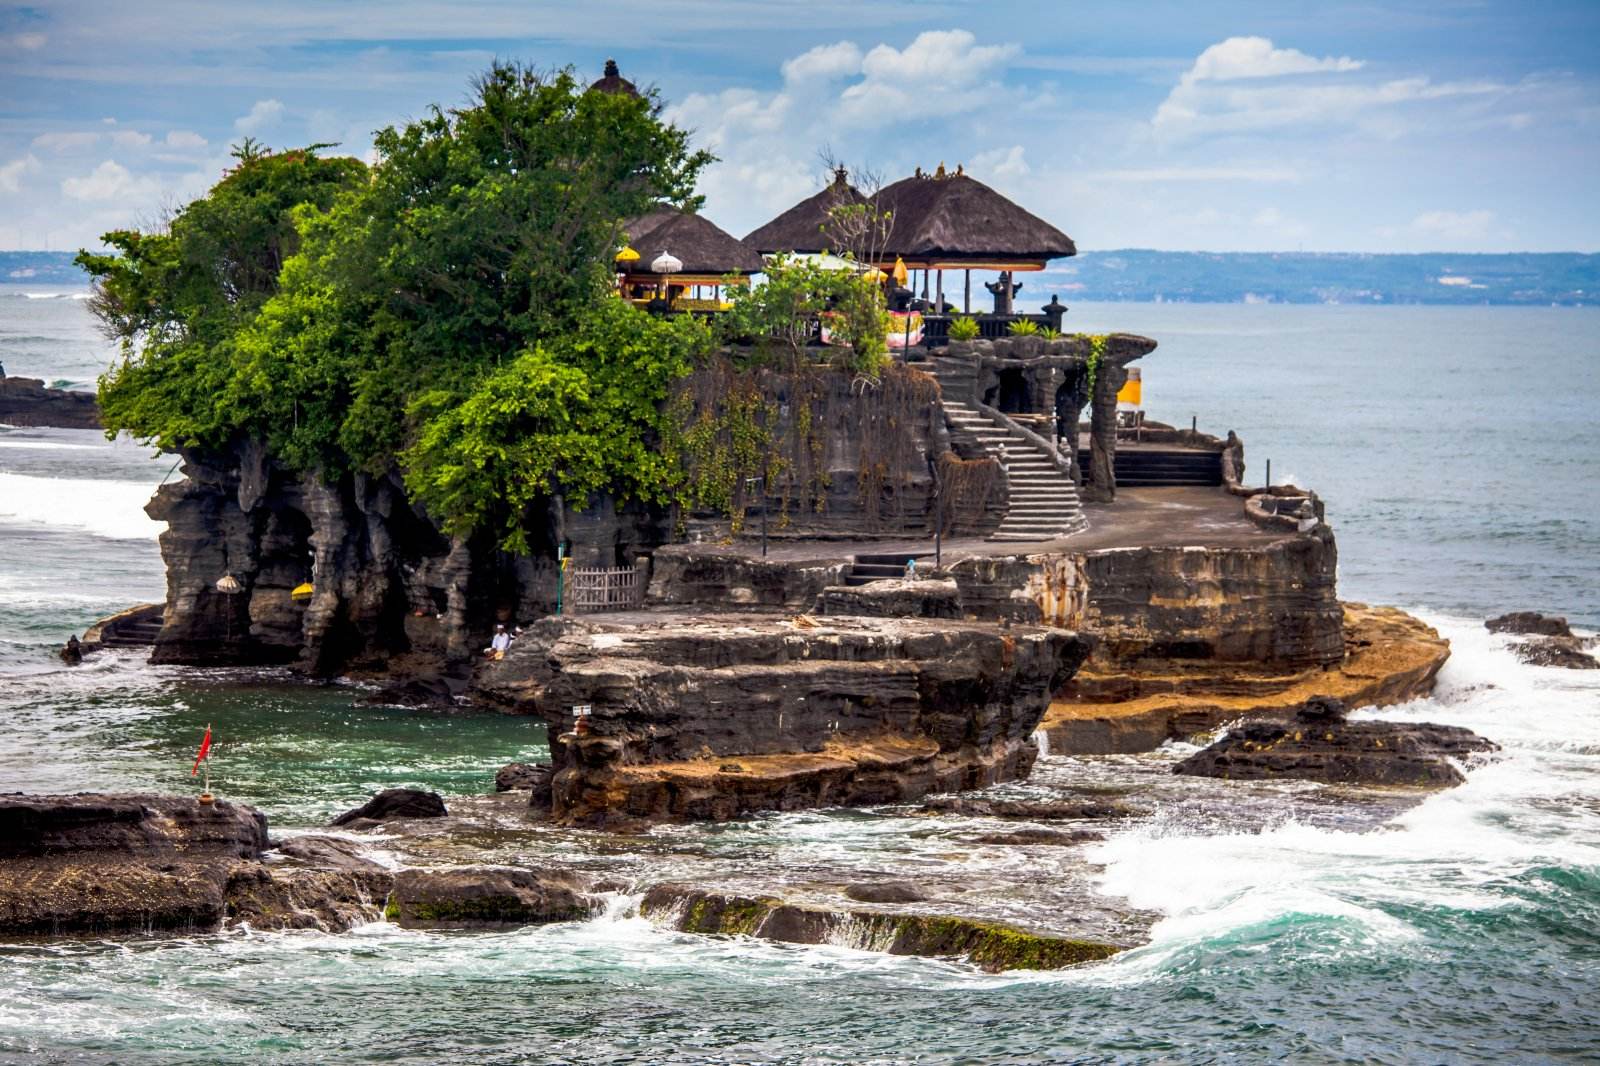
(205, 747)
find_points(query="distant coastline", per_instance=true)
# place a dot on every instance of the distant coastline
(1137, 275)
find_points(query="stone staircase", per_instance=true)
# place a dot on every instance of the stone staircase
(1043, 501)
(865, 569)
(1151, 466)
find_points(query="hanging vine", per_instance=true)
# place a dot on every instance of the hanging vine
(967, 486)
(1098, 343)
(728, 423)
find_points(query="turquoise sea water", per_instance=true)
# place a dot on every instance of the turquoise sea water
(1458, 450)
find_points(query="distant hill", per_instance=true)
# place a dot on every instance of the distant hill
(1567, 278)
(1310, 277)
(40, 268)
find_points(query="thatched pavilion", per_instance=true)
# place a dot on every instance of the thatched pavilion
(809, 227)
(933, 222)
(706, 254)
(951, 221)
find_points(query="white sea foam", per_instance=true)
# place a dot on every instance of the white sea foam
(1532, 805)
(112, 509)
(48, 445)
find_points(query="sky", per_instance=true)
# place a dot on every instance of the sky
(1435, 125)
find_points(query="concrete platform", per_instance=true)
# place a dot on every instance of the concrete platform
(1178, 516)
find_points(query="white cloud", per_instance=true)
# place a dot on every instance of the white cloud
(940, 72)
(825, 62)
(263, 115)
(28, 42)
(130, 139)
(66, 140)
(12, 172)
(1001, 163)
(1245, 84)
(1255, 57)
(109, 181)
(1455, 225)
(184, 139)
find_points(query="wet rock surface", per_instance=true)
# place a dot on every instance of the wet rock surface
(394, 803)
(488, 897)
(1319, 744)
(885, 892)
(1567, 653)
(528, 777)
(1529, 624)
(1030, 810)
(1040, 837)
(27, 402)
(992, 946)
(714, 716)
(120, 863)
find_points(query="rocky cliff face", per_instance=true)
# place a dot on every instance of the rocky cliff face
(1272, 605)
(242, 535)
(708, 717)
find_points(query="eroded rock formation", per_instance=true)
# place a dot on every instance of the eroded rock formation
(1318, 743)
(988, 945)
(119, 863)
(710, 717)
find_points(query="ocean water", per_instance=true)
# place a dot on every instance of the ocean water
(1457, 448)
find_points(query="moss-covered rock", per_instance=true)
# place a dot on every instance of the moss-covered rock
(487, 897)
(989, 945)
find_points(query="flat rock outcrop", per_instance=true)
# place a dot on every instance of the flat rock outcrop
(988, 945)
(27, 402)
(120, 863)
(1319, 744)
(481, 897)
(708, 717)
(1389, 658)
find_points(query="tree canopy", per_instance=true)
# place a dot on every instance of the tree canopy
(446, 309)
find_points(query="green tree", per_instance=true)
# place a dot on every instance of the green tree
(484, 231)
(176, 298)
(783, 313)
(580, 413)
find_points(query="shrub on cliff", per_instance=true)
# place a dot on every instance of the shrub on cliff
(780, 314)
(580, 413)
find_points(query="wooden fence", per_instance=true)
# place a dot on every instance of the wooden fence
(613, 588)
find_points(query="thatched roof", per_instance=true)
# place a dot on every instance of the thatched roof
(613, 81)
(704, 247)
(804, 227)
(954, 217)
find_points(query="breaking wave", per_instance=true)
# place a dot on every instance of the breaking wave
(113, 509)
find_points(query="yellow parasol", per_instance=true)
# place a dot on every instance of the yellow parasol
(627, 255)
(900, 274)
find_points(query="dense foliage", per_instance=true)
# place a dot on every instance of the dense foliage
(176, 299)
(447, 310)
(782, 312)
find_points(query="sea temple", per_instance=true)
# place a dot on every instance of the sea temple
(931, 534)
